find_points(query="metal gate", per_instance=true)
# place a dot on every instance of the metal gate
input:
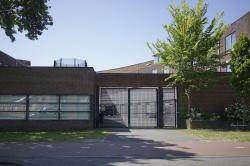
(137, 107)
(143, 108)
(114, 107)
(169, 107)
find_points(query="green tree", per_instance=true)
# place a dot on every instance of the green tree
(240, 66)
(190, 48)
(31, 16)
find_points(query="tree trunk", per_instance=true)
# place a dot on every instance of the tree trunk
(188, 94)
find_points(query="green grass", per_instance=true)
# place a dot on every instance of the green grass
(241, 136)
(52, 136)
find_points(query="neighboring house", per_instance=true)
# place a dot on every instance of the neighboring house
(152, 66)
(241, 25)
(6, 60)
(232, 34)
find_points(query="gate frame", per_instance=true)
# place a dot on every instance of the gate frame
(159, 103)
(176, 105)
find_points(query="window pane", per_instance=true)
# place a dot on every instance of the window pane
(43, 115)
(44, 99)
(75, 107)
(12, 107)
(75, 115)
(12, 115)
(75, 99)
(12, 99)
(233, 39)
(154, 71)
(228, 43)
(229, 68)
(43, 107)
(166, 70)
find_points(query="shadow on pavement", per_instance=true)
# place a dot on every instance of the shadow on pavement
(116, 148)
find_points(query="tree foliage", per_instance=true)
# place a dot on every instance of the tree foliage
(31, 16)
(238, 111)
(190, 48)
(240, 66)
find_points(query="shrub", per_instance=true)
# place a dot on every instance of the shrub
(196, 114)
(238, 112)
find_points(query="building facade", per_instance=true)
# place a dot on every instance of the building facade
(52, 98)
(8, 61)
(66, 97)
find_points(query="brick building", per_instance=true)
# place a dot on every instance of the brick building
(8, 61)
(47, 98)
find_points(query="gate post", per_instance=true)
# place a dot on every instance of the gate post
(160, 108)
(128, 107)
(96, 108)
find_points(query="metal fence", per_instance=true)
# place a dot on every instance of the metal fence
(70, 62)
(137, 107)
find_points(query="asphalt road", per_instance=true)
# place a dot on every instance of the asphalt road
(128, 147)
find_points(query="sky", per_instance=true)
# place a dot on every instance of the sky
(106, 33)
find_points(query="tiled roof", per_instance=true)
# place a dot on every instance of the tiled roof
(135, 68)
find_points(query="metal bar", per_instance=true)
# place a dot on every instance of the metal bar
(97, 102)
(128, 107)
(176, 107)
(27, 107)
(160, 108)
(59, 107)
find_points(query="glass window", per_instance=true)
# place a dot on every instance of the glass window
(13, 115)
(75, 99)
(166, 70)
(44, 107)
(154, 71)
(75, 115)
(156, 59)
(233, 39)
(12, 99)
(229, 68)
(42, 115)
(230, 41)
(12, 107)
(43, 99)
(75, 107)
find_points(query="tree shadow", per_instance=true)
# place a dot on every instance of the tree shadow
(116, 148)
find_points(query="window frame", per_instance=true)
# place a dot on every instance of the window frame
(27, 111)
(231, 41)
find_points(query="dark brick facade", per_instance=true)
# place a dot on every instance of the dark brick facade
(6, 60)
(47, 80)
(212, 99)
(241, 25)
(130, 80)
(44, 125)
(74, 81)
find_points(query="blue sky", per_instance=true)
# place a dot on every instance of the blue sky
(107, 33)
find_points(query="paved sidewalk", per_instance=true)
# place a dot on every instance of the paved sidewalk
(128, 147)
